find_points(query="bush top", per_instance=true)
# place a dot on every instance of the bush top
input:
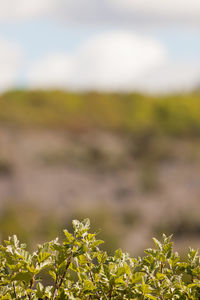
(78, 269)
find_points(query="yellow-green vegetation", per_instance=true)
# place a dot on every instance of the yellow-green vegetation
(135, 113)
(77, 268)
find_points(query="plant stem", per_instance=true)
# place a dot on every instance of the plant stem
(58, 285)
(31, 285)
(15, 293)
(111, 291)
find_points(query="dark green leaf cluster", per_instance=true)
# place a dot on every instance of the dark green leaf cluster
(80, 270)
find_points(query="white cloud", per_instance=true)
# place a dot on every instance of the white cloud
(10, 58)
(54, 71)
(11, 10)
(165, 9)
(173, 77)
(103, 11)
(115, 61)
(111, 61)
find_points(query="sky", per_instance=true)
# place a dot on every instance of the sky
(103, 45)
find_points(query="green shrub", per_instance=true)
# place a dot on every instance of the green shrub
(136, 114)
(78, 269)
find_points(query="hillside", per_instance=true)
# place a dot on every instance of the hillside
(131, 163)
(133, 113)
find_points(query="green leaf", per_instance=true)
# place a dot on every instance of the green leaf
(22, 276)
(158, 243)
(88, 285)
(69, 236)
(40, 290)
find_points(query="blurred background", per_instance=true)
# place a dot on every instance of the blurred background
(100, 118)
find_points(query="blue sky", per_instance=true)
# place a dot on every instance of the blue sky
(85, 44)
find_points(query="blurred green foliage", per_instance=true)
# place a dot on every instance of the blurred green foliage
(175, 115)
(40, 225)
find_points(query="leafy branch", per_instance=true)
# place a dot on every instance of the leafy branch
(81, 270)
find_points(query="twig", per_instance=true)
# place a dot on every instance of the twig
(110, 293)
(14, 288)
(58, 285)
(31, 285)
